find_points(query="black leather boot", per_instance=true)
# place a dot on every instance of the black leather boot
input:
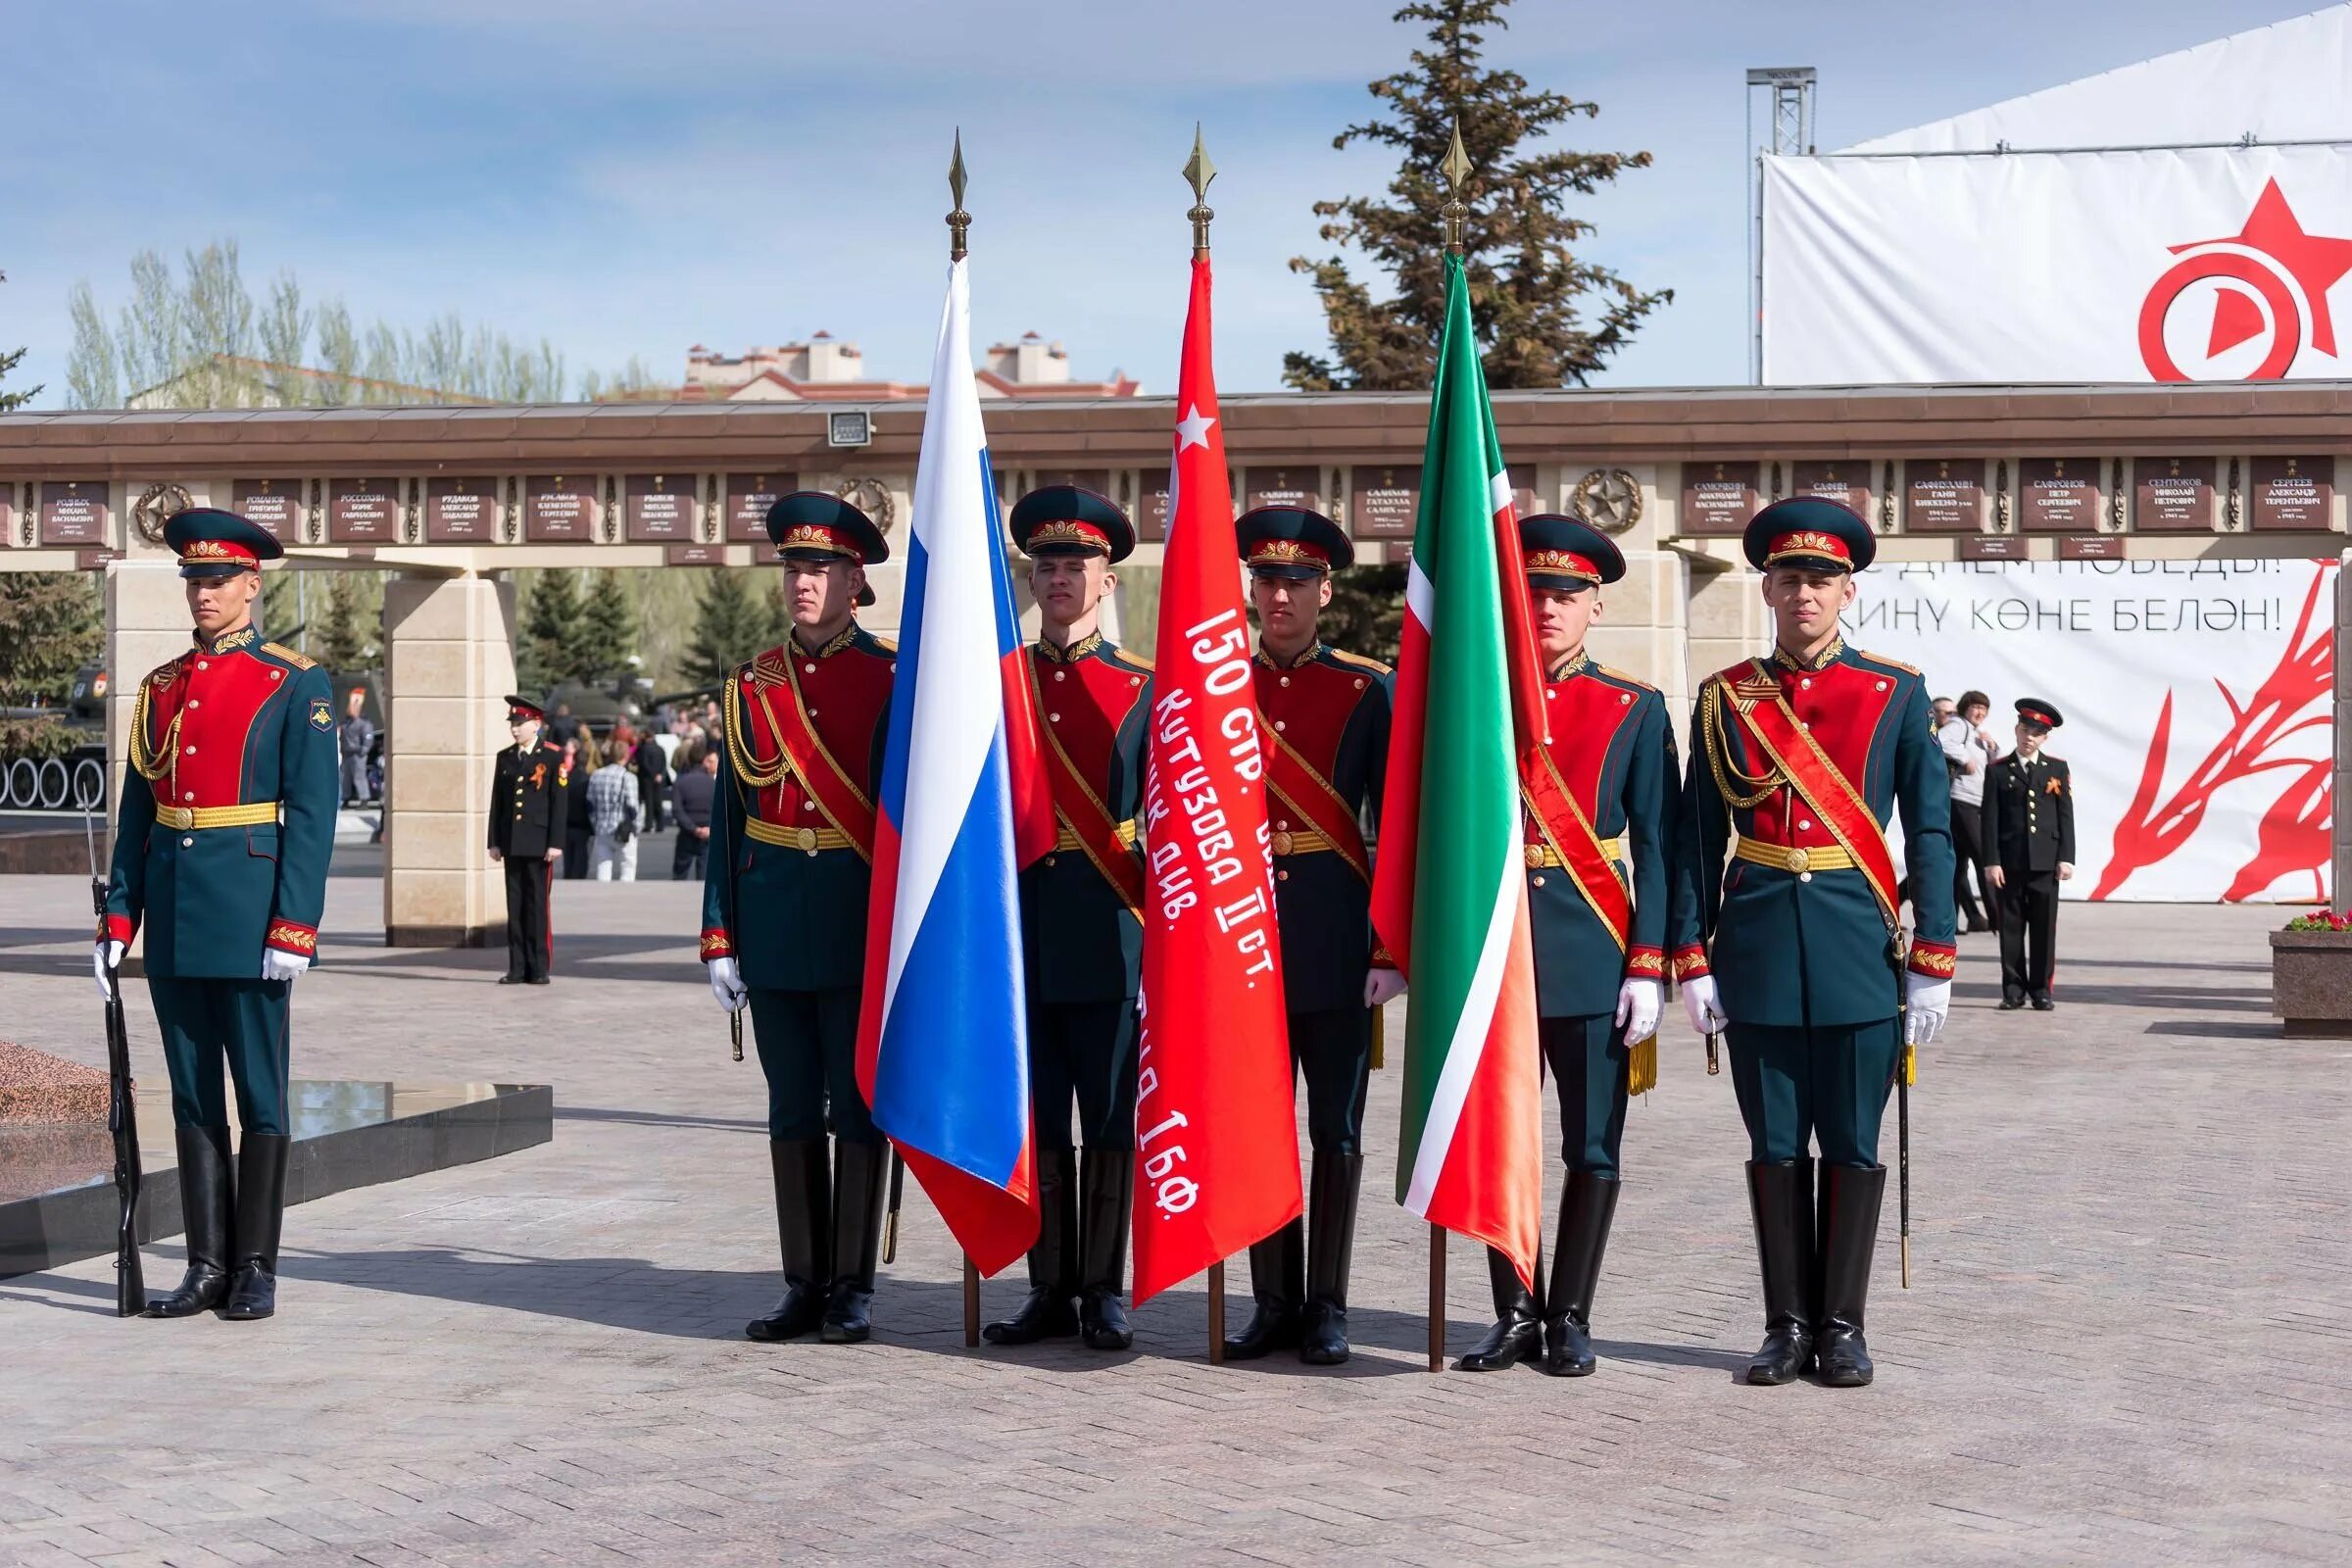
(1850, 1195)
(1780, 1197)
(1330, 1242)
(1049, 1311)
(1518, 1331)
(1105, 1205)
(1588, 1204)
(261, 1216)
(803, 1179)
(1278, 1285)
(860, 1174)
(203, 1203)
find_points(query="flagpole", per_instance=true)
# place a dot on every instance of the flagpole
(971, 1303)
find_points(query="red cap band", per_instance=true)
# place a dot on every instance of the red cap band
(1809, 542)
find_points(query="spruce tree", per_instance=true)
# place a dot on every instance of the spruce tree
(554, 622)
(346, 642)
(735, 621)
(608, 631)
(1527, 284)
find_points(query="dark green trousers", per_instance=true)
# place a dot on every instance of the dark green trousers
(1588, 1062)
(1798, 1083)
(1083, 1050)
(1331, 1048)
(242, 1022)
(809, 1049)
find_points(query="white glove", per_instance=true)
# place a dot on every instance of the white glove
(1638, 1004)
(1926, 1005)
(107, 956)
(1382, 986)
(1704, 1007)
(726, 983)
(278, 964)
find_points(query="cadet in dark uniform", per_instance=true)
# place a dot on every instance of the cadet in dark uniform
(1608, 778)
(2029, 849)
(1328, 716)
(1081, 923)
(1799, 762)
(227, 821)
(530, 790)
(784, 900)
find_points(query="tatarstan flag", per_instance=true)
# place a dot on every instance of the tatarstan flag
(1449, 893)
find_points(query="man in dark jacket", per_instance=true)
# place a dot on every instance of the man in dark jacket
(2029, 849)
(691, 797)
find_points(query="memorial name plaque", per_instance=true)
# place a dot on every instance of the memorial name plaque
(2172, 495)
(695, 556)
(1943, 495)
(2092, 547)
(662, 506)
(1994, 547)
(1151, 505)
(465, 511)
(73, 511)
(274, 506)
(362, 511)
(559, 507)
(1291, 485)
(94, 560)
(749, 496)
(2293, 493)
(1718, 498)
(1845, 481)
(2058, 495)
(1383, 503)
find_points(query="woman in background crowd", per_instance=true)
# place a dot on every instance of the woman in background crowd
(581, 758)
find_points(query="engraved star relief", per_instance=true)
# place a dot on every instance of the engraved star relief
(2316, 262)
(1192, 430)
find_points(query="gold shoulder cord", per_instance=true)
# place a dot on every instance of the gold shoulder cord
(1717, 745)
(739, 751)
(151, 762)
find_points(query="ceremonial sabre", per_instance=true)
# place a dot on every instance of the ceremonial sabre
(898, 1190)
(1714, 1064)
(121, 1114)
(1902, 1103)
(735, 1030)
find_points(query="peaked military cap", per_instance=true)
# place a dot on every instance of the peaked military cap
(526, 706)
(1562, 551)
(1066, 520)
(818, 525)
(2033, 711)
(212, 542)
(1810, 532)
(1292, 542)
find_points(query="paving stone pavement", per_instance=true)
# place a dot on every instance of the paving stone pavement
(2128, 1342)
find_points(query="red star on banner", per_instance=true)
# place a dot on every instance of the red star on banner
(2314, 260)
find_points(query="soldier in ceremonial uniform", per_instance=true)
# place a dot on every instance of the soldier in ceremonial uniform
(1608, 778)
(1082, 923)
(226, 821)
(1799, 760)
(530, 789)
(2029, 849)
(1328, 712)
(784, 900)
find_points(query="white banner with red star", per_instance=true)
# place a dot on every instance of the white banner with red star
(2177, 264)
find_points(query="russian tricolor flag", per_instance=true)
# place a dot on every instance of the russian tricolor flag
(942, 1049)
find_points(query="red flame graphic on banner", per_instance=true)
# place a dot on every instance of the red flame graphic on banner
(2294, 832)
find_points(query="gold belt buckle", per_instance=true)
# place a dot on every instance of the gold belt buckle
(1799, 861)
(1534, 857)
(1282, 844)
(808, 840)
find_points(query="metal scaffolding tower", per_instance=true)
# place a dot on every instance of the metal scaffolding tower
(1787, 93)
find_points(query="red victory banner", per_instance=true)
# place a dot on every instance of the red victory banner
(1214, 1134)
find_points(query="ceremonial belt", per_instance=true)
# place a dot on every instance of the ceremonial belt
(1302, 841)
(1791, 857)
(1574, 846)
(1772, 727)
(1307, 794)
(809, 839)
(186, 818)
(1067, 841)
(842, 802)
(1543, 858)
(1086, 823)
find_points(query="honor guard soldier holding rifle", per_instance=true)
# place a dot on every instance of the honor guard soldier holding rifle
(1326, 713)
(784, 906)
(2029, 849)
(226, 821)
(1082, 922)
(1799, 761)
(529, 804)
(1607, 778)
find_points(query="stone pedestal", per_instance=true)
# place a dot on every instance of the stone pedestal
(449, 660)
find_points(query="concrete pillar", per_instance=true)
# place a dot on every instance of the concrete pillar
(2339, 829)
(449, 662)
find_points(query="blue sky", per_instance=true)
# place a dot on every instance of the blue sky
(632, 178)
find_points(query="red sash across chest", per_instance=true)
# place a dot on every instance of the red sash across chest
(1307, 708)
(1817, 728)
(1081, 703)
(1560, 786)
(818, 715)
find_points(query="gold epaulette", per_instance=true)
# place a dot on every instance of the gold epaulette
(1881, 659)
(884, 645)
(1634, 681)
(1359, 660)
(1122, 653)
(299, 660)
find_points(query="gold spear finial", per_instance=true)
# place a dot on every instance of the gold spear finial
(1199, 170)
(1456, 212)
(959, 222)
